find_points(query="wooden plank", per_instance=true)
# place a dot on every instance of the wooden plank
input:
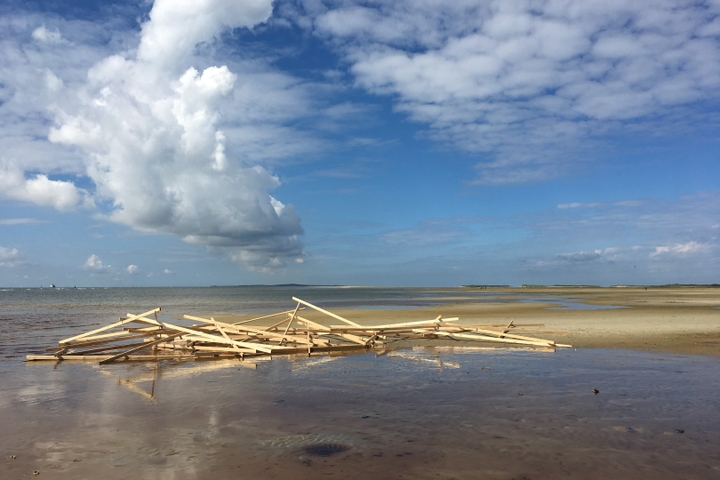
(219, 339)
(312, 324)
(515, 325)
(321, 310)
(507, 328)
(502, 334)
(135, 349)
(244, 328)
(277, 324)
(114, 337)
(263, 317)
(419, 323)
(353, 338)
(391, 327)
(222, 332)
(107, 327)
(483, 338)
(202, 348)
(104, 349)
(96, 358)
(290, 321)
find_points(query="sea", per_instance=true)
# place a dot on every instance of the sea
(441, 412)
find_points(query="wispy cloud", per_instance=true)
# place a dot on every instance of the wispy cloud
(688, 248)
(637, 241)
(625, 203)
(433, 232)
(20, 221)
(533, 85)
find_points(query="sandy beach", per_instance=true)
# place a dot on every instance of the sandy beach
(682, 320)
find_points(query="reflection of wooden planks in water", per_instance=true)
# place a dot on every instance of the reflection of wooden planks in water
(98, 358)
(213, 339)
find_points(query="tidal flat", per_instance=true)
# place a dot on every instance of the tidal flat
(644, 408)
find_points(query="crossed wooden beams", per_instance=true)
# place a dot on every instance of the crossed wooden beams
(144, 337)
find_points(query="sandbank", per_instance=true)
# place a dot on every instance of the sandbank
(679, 320)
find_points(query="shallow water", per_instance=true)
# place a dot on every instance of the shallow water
(421, 413)
(569, 304)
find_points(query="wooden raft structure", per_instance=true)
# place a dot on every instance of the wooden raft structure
(144, 337)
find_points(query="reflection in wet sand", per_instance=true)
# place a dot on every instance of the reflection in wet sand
(443, 412)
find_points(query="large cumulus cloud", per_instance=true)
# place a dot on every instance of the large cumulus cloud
(148, 127)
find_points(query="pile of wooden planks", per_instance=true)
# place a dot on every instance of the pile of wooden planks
(144, 337)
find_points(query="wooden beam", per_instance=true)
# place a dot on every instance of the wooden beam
(222, 332)
(310, 323)
(484, 338)
(96, 358)
(437, 321)
(290, 321)
(135, 349)
(263, 317)
(321, 310)
(108, 327)
(238, 329)
(219, 339)
(504, 335)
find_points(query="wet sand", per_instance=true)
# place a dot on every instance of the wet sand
(670, 319)
(422, 413)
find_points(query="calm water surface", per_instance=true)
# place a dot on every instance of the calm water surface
(421, 413)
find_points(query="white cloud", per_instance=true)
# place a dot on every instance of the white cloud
(532, 84)
(20, 221)
(167, 148)
(176, 28)
(580, 256)
(132, 269)
(688, 248)
(40, 190)
(651, 241)
(167, 271)
(624, 203)
(95, 264)
(42, 34)
(10, 257)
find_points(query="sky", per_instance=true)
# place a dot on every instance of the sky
(390, 143)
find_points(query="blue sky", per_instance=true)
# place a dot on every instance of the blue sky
(368, 143)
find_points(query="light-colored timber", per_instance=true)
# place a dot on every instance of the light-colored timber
(208, 339)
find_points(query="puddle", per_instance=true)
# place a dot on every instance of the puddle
(568, 304)
(421, 413)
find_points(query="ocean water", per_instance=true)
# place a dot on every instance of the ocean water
(420, 413)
